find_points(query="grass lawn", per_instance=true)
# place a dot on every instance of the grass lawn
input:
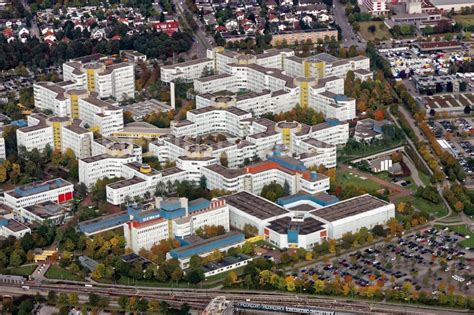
(437, 210)
(57, 272)
(464, 230)
(349, 155)
(381, 30)
(424, 178)
(465, 20)
(24, 271)
(345, 179)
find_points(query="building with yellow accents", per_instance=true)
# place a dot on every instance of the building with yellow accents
(305, 84)
(115, 80)
(74, 96)
(50, 96)
(324, 65)
(58, 123)
(139, 130)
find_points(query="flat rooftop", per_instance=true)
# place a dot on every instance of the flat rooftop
(46, 209)
(207, 242)
(226, 172)
(349, 207)
(15, 226)
(254, 205)
(38, 187)
(307, 226)
(126, 182)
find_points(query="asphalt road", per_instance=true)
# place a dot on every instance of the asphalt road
(348, 35)
(202, 42)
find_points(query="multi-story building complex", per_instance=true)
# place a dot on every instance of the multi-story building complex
(3, 151)
(115, 80)
(187, 71)
(39, 213)
(101, 166)
(100, 116)
(306, 220)
(78, 139)
(140, 180)
(324, 65)
(172, 218)
(257, 103)
(10, 227)
(56, 190)
(171, 148)
(35, 137)
(252, 178)
(375, 7)
(116, 147)
(59, 98)
(292, 37)
(264, 136)
(210, 120)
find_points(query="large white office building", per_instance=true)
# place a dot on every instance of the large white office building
(306, 220)
(35, 137)
(101, 166)
(100, 116)
(115, 80)
(172, 218)
(56, 190)
(78, 139)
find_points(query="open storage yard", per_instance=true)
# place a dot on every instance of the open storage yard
(427, 261)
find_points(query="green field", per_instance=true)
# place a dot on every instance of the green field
(24, 271)
(465, 20)
(344, 179)
(464, 230)
(437, 210)
(381, 31)
(57, 272)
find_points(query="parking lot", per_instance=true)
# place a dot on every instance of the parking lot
(429, 261)
(461, 147)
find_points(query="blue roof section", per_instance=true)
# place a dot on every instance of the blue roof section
(198, 204)
(340, 98)
(288, 163)
(330, 199)
(207, 246)
(3, 221)
(293, 235)
(101, 223)
(333, 122)
(36, 188)
(170, 214)
(171, 209)
(139, 214)
(20, 123)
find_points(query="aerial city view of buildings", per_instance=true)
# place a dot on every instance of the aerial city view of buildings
(220, 157)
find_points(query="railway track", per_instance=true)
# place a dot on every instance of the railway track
(199, 299)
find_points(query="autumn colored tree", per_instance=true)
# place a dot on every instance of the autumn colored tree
(379, 115)
(332, 246)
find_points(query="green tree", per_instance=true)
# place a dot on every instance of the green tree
(194, 275)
